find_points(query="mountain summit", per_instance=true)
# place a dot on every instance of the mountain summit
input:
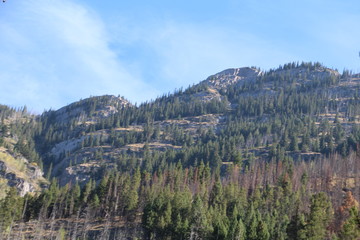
(91, 108)
(232, 76)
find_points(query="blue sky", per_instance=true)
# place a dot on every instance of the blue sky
(54, 52)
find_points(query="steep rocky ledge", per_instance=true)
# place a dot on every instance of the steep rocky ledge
(232, 76)
(90, 109)
(16, 171)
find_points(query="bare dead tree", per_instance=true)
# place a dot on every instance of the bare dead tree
(86, 222)
(74, 234)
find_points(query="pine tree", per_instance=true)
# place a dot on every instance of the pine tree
(319, 217)
(262, 231)
(132, 197)
(351, 228)
(251, 224)
(239, 232)
(200, 226)
(293, 143)
(296, 227)
(11, 208)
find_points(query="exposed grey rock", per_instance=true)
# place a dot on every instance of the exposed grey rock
(80, 173)
(23, 186)
(19, 183)
(107, 105)
(66, 146)
(3, 168)
(232, 76)
(35, 172)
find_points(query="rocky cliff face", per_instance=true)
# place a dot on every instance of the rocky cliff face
(17, 172)
(232, 76)
(220, 81)
(88, 110)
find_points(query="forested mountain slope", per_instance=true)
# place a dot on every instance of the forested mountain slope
(307, 109)
(244, 154)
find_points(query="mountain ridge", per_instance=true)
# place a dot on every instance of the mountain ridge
(87, 113)
(90, 111)
(210, 91)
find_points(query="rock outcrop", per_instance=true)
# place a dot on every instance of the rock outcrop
(90, 109)
(232, 76)
(19, 173)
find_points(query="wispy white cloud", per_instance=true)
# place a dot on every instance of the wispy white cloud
(57, 51)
